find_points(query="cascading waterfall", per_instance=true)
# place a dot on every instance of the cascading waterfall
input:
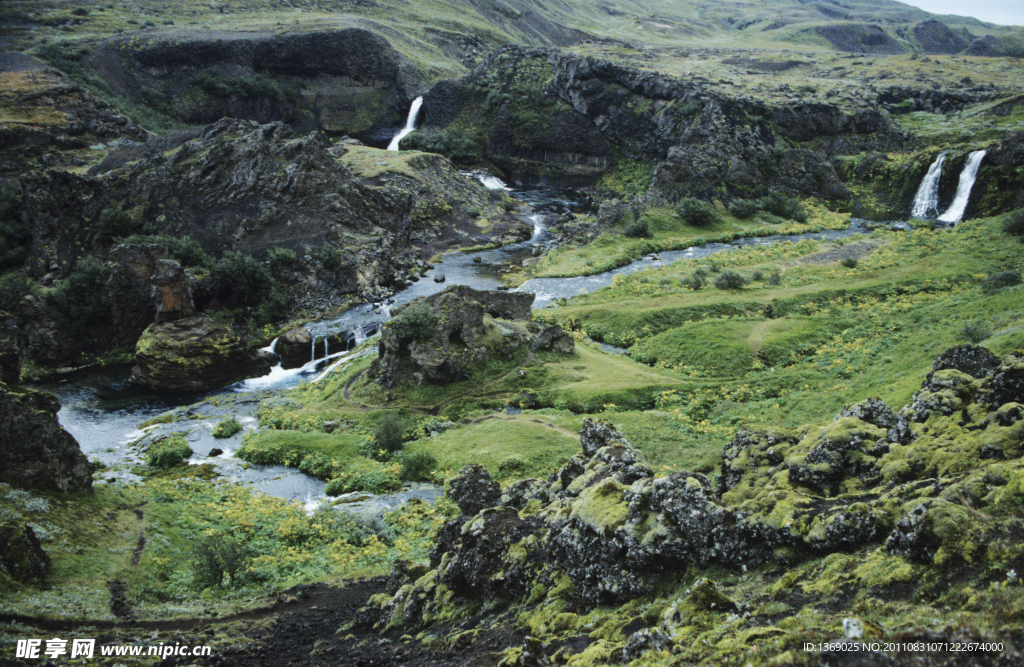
(963, 191)
(926, 201)
(410, 124)
(491, 182)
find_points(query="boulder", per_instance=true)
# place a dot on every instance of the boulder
(294, 347)
(129, 289)
(37, 452)
(502, 305)
(22, 557)
(473, 490)
(172, 291)
(193, 354)
(554, 338)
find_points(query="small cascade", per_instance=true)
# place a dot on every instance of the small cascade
(926, 201)
(410, 124)
(963, 191)
(491, 182)
(385, 310)
(538, 227)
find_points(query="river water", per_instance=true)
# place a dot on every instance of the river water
(103, 411)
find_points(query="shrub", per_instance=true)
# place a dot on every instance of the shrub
(275, 307)
(80, 11)
(784, 207)
(714, 267)
(695, 212)
(13, 288)
(757, 276)
(415, 322)
(247, 278)
(227, 428)
(280, 259)
(975, 332)
(849, 262)
(390, 432)
(744, 208)
(417, 465)
(637, 230)
(1014, 224)
(14, 235)
(700, 272)
(169, 452)
(376, 481)
(217, 556)
(187, 251)
(113, 223)
(79, 301)
(775, 279)
(1003, 279)
(331, 258)
(730, 280)
(695, 282)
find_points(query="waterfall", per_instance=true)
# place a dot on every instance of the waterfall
(385, 310)
(926, 201)
(410, 124)
(963, 191)
(491, 182)
(538, 228)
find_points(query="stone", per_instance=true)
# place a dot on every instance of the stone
(22, 557)
(172, 291)
(473, 490)
(37, 452)
(192, 354)
(554, 338)
(295, 347)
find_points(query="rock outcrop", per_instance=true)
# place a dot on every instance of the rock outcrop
(604, 529)
(37, 452)
(193, 354)
(295, 347)
(443, 337)
(22, 557)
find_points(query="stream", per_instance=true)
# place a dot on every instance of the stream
(103, 411)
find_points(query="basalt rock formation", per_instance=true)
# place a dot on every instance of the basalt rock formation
(605, 529)
(454, 331)
(193, 354)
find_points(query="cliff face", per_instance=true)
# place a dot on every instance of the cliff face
(542, 112)
(348, 81)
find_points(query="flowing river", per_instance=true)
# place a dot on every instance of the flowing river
(103, 411)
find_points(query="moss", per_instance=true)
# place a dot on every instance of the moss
(602, 507)
(879, 568)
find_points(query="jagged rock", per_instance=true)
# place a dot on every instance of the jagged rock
(457, 337)
(502, 305)
(945, 391)
(22, 557)
(295, 347)
(554, 338)
(192, 354)
(973, 360)
(1006, 384)
(642, 641)
(37, 451)
(10, 352)
(930, 526)
(838, 451)
(521, 492)
(936, 37)
(172, 291)
(705, 595)
(130, 289)
(473, 490)
(403, 572)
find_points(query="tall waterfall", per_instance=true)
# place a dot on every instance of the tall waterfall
(926, 201)
(963, 191)
(410, 124)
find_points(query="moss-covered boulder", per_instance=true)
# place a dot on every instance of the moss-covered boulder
(193, 354)
(37, 451)
(22, 557)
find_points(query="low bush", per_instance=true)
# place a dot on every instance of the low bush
(169, 452)
(849, 262)
(1014, 224)
(975, 332)
(637, 230)
(280, 259)
(415, 322)
(227, 428)
(730, 280)
(389, 433)
(695, 212)
(774, 279)
(784, 207)
(417, 465)
(79, 301)
(247, 278)
(330, 257)
(376, 481)
(216, 558)
(1000, 280)
(114, 223)
(744, 208)
(695, 282)
(187, 251)
(13, 288)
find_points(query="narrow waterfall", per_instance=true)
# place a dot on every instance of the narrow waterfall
(491, 182)
(410, 124)
(538, 226)
(926, 201)
(963, 191)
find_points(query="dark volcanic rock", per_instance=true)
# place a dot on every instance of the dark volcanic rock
(473, 490)
(22, 557)
(554, 338)
(37, 451)
(295, 347)
(191, 355)
(937, 38)
(172, 291)
(860, 38)
(973, 360)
